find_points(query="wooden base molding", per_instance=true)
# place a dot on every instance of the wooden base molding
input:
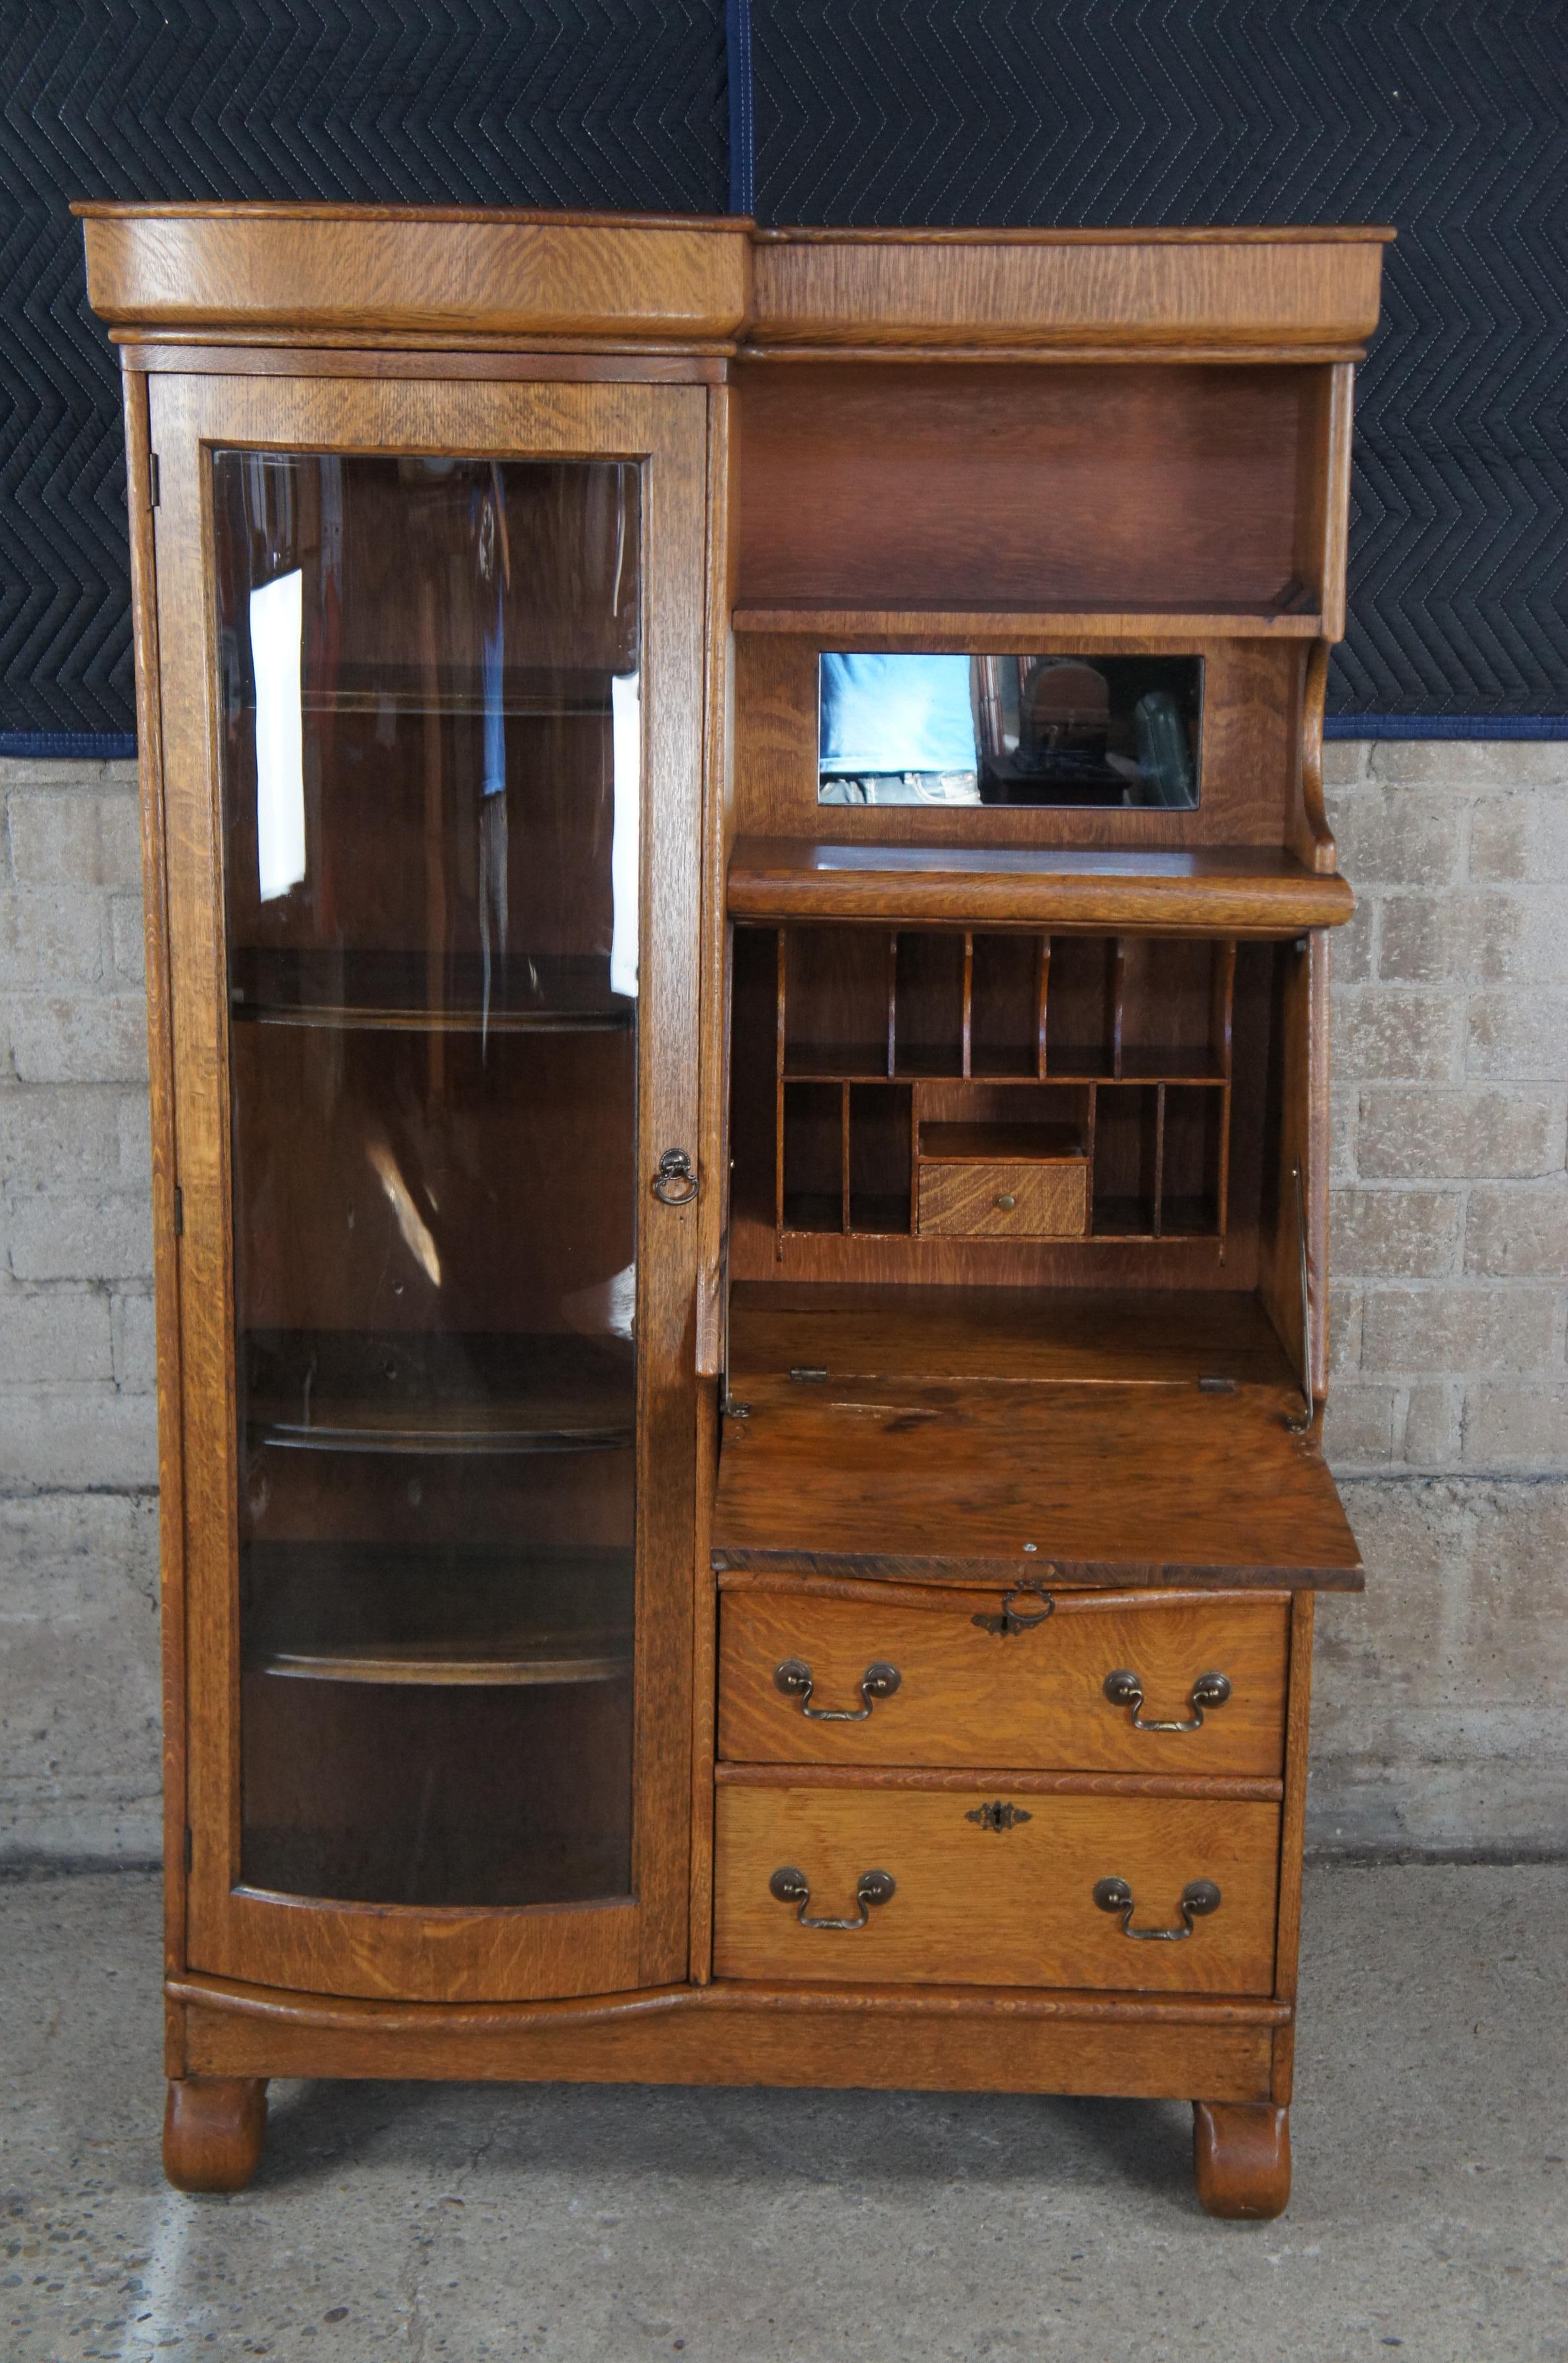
(1241, 2158)
(881, 2040)
(213, 2130)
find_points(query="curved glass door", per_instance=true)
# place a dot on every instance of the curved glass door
(430, 735)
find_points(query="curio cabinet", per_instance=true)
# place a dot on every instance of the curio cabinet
(737, 899)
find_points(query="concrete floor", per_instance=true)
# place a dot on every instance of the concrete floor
(485, 2224)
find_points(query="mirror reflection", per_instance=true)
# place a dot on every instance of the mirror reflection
(964, 729)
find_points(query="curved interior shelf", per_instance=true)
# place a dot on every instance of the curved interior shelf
(347, 1018)
(502, 1660)
(280, 1436)
(398, 991)
(365, 1391)
(437, 1616)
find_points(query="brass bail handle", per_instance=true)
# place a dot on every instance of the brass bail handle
(1012, 1620)
(1198, 1897)
(676, 1182)
(789, 1885)
(1124, 1688)
(794, 1678)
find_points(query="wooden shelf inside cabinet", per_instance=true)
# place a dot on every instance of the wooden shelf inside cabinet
(1008, 628)
(407, 993)
(353, 1392)
(434, 1616)
(502, 1661)
(1239, 891)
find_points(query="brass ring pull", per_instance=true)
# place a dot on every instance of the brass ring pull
(790, 1886)
(675, 1183)
(794, 1678)
(1198, 1897)
(1123, 1688)
(1010, 1621)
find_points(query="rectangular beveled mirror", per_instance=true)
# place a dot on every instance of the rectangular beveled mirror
(949, 729)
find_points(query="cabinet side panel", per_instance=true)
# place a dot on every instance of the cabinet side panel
(704, 1689)
(198, 1138)
(161, 1073)
(1288, 1943)
(1301, 1069)
(718, 831)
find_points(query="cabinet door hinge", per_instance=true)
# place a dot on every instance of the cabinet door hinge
(179, 1212)
(153, 487)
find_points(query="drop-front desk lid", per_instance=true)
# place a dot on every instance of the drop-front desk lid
(1068, 1437)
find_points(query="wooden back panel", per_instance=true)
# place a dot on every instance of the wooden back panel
(894, 484)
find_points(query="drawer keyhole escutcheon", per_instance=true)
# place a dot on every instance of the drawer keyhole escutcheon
(795, 1679)
(1012, 1620)
(1198, 1897)
(789, 1885)
(1124, 1688)
(998, 1816)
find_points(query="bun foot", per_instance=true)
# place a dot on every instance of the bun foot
(1241, 2158)
(212, 2131)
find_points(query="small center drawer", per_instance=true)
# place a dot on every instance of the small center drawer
(950, 1885)
(1095, 1684)
(1043, 1200)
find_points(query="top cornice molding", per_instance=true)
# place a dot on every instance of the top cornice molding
(346, 274)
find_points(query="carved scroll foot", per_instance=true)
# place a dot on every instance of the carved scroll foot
(1240, 2156)
(212, 2131)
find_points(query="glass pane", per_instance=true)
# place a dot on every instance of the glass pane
(431, 745)
(1065, 730)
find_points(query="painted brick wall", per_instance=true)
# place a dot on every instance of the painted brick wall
(1438, 1721)
(78, 1459)
(1449, 1229)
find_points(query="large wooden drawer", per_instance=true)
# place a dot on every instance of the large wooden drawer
(969, 1694)
(992, 1886)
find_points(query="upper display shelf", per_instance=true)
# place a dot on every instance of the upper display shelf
(341, 275)
(1238, 891)
(978, 627)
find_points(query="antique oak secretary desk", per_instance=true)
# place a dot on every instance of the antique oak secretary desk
(737, 906)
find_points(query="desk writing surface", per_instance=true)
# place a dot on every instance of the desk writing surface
(889, 1457)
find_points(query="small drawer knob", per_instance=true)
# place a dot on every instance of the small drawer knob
(1007, 1202)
